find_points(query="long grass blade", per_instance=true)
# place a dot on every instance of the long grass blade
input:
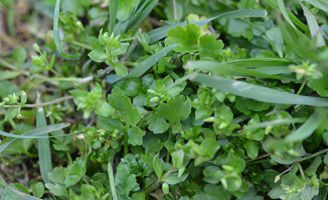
(113, 6)
(37, 133)
(321, 4)
(34, 134)
(142, 14)
(315, 30)
(275, 123)
(134, 21)
(254, 67)
(256, 92)
(161, 32)
(111, 180)
(306, 129)
(284, 12)
(298, 42)
(144, 66)
(56, 34)
(44, 151)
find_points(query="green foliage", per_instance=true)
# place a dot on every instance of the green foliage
(148, 99)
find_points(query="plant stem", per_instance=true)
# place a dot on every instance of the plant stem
(126, 145)
(302, 87)
(313, 155)
(59, 100)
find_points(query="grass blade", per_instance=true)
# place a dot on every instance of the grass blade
(284, 12)
(314, 27)
(256, 92)
(10, 193)
(275, 123)
(254, 67)
(36, 133)
(142, 14)
(32, 134)
(161, 32)
(113, 6)
(111, 180)
(144, 66)
(321, 4)
(56, 34)
(298, 42)
(135, 20)
(44, 151)
(306, 129)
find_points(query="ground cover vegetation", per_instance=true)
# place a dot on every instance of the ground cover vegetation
(163, 99)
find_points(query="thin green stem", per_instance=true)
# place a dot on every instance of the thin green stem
(302, 87)
(313, 155)
(12, 67)
(58, 100)
(126, 145)
(111, 180)
(82, 45)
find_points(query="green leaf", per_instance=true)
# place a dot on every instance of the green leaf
(174, 179)
(232, 183)
(38, 189)
(44, 151)
(252, 149)
(157, 166)
(313, 167)
(209, 47)
(157, 124)
(75, 172)
(177, 158)
(206, 150)
(125, 181)
(125, 109)
(256, 92)
(307, 128)
(98, 55)
(213, 174)
(275, 38)
(135, 136)
(176, 109)
(320, 85)
(161, 32)
(185, 37)
(57, 190)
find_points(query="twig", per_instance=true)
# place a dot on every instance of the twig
(313, 155)
(59, 100)
(131, 48)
